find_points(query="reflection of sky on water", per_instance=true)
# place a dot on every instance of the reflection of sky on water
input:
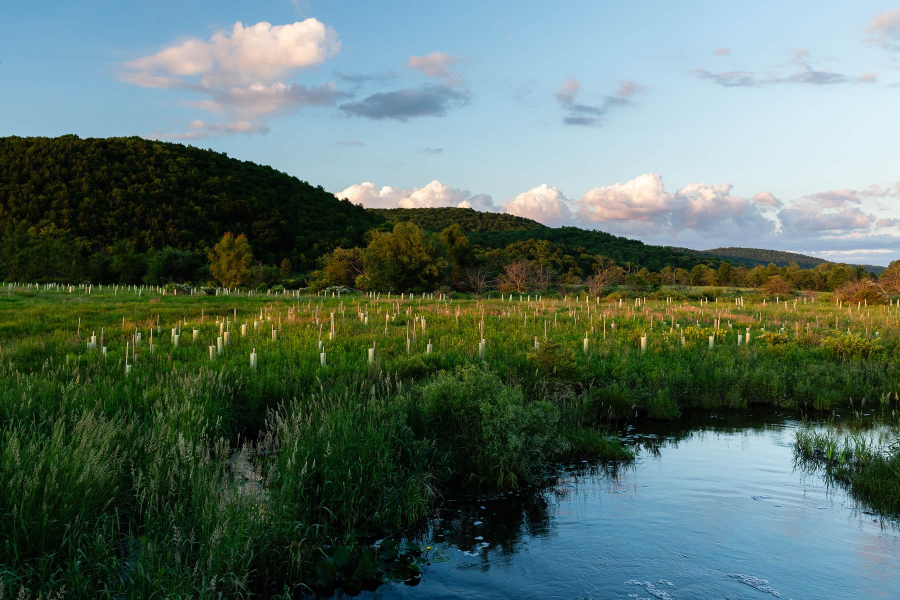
(713, 507)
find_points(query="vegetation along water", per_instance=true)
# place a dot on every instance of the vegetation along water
(187, 443)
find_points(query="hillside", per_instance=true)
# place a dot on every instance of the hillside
(437, 219)
(754, 257)
(499, 230)
(150, 194)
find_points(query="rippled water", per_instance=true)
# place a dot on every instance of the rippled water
(713, 508)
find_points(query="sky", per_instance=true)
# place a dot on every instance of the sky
(694, 124)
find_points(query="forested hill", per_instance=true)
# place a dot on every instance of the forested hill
(500, 231)
(438, 219)
(755, 257)
(150, 195)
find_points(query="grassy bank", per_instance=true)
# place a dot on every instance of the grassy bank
(185, 470)
(867, 463)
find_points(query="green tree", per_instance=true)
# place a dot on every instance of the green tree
(341, 266)
(406, 259)
(725, 274)
(459, 251)
(231, 259)
(285, 268)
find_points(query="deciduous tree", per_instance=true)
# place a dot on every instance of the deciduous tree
(231, 260)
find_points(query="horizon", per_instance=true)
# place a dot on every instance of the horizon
(660, 123)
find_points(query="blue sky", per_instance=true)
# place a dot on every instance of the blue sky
(765, 124)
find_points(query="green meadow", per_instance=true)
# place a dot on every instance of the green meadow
(189, 445)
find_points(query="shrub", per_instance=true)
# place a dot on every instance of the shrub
(180, 288)
(555, 361)
(774, 338)
(488, 435)
(862, 290)
(776, 286)
(851, 345)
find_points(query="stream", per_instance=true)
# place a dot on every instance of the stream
(713, 507)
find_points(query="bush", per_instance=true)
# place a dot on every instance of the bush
(489, 437)
(179, 288)
(776, 286)
(862, 290)
(851, 345)
(556, 361)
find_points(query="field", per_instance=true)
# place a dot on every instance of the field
(197, 445)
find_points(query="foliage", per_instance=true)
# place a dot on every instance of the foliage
(556, 361)
(405, 259)
(862, 290)
(850, 345)
(467, 219)
(87, 195)
(230, 260)
(286, 474)
(494, 438)
(776, 285)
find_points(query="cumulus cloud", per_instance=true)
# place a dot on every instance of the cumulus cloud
(642, 206)
(767, 199)
(722, 51)
(832, 212)
(545, 204)
(884, 30)
(696, 215)
(242, 73)
(592, 114)
(434, 194)
(802, 71)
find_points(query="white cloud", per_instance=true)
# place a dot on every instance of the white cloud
(199, 130)
(545, 204)
(436, 64)
(242, 74)
(432, 195)
(767, 199)
(885, 29)
(698, 215)
(833, 212)
(642, 207)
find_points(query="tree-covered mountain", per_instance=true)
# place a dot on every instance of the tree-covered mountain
(500, 230)
(96, 193)
(438, 219)
(756, 257)
(131, 210)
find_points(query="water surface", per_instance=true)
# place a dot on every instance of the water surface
(713, 507)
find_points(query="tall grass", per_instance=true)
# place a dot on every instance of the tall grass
(868, 464)
(194, 477)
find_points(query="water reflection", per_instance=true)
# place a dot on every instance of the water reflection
(714, 506)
